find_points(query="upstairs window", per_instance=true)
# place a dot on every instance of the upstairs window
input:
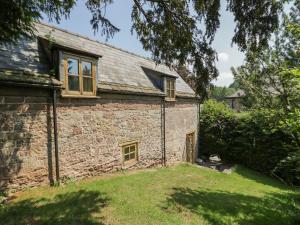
(170, 87)
(80, 76)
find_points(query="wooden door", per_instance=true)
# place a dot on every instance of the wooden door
(190, 147)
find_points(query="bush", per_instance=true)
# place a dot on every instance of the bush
(255, 139)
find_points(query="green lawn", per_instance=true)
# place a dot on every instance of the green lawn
(184, 194)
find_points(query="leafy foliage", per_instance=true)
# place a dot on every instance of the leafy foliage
(258, 139)
(271, 78)
(177, 32)
(219, 93)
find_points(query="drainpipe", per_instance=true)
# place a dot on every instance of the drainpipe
(163, 131)
(198, 139)
(55, 137)
(164, 127)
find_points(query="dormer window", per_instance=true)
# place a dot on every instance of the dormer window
(170, 89)
(80, 76)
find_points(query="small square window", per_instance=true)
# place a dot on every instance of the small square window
(130, 153)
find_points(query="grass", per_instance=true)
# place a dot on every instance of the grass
(183, 194)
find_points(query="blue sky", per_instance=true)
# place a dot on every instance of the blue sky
(119, 14)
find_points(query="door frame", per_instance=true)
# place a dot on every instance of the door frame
(190, 157)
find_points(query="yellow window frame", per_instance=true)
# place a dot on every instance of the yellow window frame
(170, 89)
(130, 153)
(80, 92)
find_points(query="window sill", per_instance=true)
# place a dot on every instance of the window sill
(80, 96)
(170, 100)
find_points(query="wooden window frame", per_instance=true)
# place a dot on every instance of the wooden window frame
(80, 93)
(135, 159)
(169, 89)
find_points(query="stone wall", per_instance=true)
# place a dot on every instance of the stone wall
(25, 138)
(181, 119)
(90, 132)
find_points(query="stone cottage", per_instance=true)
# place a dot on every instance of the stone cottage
(72, 107)
(234, 100)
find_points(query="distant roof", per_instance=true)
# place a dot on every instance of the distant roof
(237, 94)
(118, 69)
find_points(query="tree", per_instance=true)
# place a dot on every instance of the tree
(272, 77)
(170, 29)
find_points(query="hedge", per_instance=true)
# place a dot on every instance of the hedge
(254, 139)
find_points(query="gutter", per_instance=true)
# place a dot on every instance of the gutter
(130, 92)
(24, 84)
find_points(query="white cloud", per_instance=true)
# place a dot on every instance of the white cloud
(224, 79)
(223, 56)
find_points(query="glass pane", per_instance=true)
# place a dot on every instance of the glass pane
(172, 94)
(168, 85)
(126, 157)
(126, 150)
(73, 82)
(87, 84)
(172, 84)
(86, 68)
(132, 156)
(73, 66)
(169, 93)
(132, 148)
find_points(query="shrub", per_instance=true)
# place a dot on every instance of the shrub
(256, 139)
(215, 122)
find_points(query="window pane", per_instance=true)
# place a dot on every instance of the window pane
(132, 155)
(73, 82)
(87, 84)
(126, 157)
(126, 150)
(172, 84)
(132, 148)
(172, 94)
(86, 68)
(73, 66)
(169, 93)
(168, 85)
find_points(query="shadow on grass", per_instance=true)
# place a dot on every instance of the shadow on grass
(222, 208)
(259, 177)
(66, 209)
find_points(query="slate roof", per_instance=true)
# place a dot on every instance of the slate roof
(118, 70)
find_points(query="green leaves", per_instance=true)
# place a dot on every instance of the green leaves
(262, 139)
(270, 77)
(255, 22)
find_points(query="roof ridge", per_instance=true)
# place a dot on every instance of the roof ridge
(99, 42)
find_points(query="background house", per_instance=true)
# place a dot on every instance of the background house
(234, 100)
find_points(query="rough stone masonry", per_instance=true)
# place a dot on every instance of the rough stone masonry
(90, 132)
